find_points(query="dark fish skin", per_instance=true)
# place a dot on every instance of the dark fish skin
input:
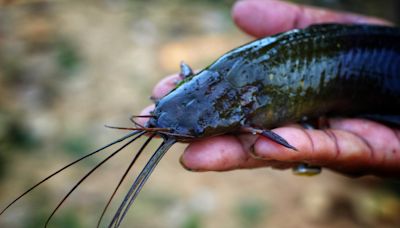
(327, 69)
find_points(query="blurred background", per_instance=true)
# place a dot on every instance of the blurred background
(69, 67)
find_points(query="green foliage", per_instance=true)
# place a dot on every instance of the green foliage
(61, 220)
(251, 212)
(15, 135)
(68, 57)
(39, 213)
(77, 145)
(192, 221)
(67, 220)
(3, 165)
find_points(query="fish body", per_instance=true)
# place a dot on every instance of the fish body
(328, 69)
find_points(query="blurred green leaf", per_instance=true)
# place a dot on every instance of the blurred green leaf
(251, 212)
(78, 145)
(14, 134)
(192, 221)
(67, 220)
(68, 56)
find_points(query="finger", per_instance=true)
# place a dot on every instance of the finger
(266, 17)
(383, 141)
(343, 149)
(165, 86)
(315, 146)
(220, 153)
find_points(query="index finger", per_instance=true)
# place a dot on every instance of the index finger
(266, 17)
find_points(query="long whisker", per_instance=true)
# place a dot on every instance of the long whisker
(124, 176)
(132, 119)
(148, 129)
(88, 174)
(164, 131)
(65, 167)
(143, 116)
(157, 156)
(176, 134)
(139, 182)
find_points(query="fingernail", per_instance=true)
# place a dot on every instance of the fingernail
(253, 153)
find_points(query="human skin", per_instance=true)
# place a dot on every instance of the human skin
(349, 146)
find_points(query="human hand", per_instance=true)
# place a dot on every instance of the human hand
(350, 146)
